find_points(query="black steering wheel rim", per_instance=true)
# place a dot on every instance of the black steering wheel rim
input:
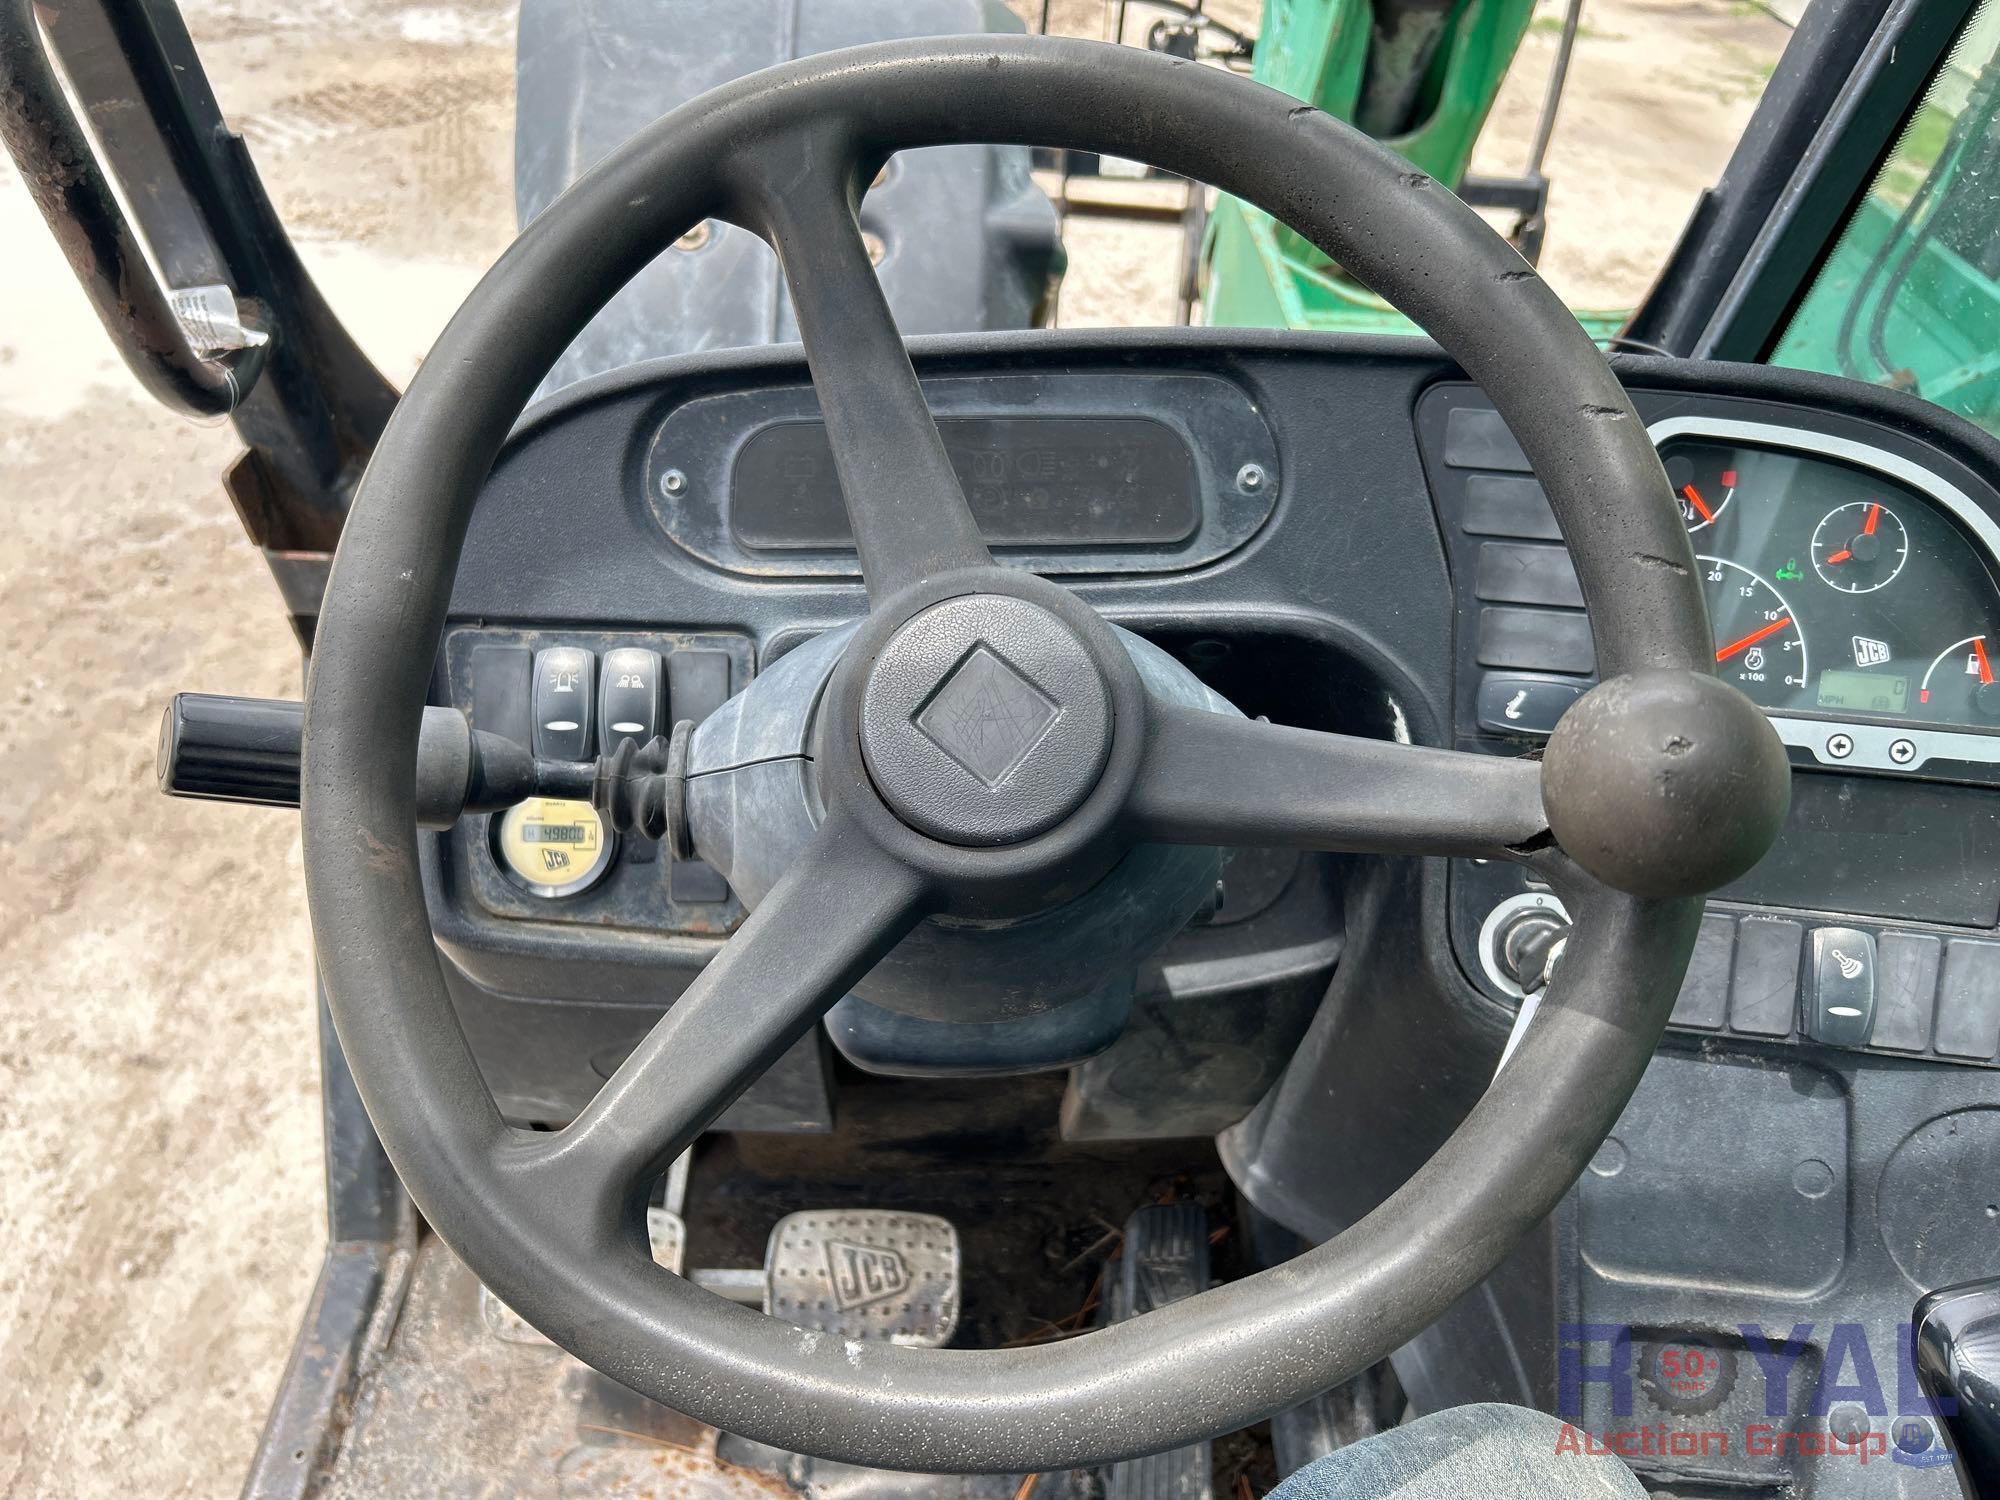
(562, 1244)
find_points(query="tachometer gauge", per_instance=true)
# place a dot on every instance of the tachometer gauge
(1702, 488)
(1860, 547)
(1758, 643)
(1958, 685)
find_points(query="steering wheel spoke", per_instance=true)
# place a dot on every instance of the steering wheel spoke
(904, 501)
(1215, 778)
(841, 906)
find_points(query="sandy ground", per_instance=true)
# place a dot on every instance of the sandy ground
(157, 1063)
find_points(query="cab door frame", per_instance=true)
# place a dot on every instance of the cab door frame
(1849, 80)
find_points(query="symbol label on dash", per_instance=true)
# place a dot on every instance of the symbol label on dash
(1513, 708)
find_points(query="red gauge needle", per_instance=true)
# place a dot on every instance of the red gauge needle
(1867, 529)
(1985, 666)
(1694, 499)
(1753, 638)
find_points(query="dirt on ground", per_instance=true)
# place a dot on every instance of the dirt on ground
(158, 1067)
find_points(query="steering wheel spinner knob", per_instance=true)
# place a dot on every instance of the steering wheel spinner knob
(1665, 783)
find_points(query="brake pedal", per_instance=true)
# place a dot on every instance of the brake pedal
(1164, 1259)
(664, 1228)
(505, 1324)
(865, 1274)
(667, 1232)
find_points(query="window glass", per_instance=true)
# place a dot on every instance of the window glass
(1910, 296)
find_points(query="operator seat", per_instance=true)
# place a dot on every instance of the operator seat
(1491, 1450)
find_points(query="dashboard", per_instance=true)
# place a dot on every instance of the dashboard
(1340, 534)
(1336, 533)
(1849, 573)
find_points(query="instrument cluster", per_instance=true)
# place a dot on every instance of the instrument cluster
(1843, 584)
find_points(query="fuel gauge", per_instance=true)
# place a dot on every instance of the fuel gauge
(1958, 685)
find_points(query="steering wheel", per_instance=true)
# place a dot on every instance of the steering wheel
(1659, 784)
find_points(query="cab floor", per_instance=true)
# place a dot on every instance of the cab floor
(445, 1407)
(450, 1410)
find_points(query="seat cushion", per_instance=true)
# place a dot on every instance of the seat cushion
(1491, 1451)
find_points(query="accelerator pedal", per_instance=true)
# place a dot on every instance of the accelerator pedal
(865, 1274)
(1165, 1259)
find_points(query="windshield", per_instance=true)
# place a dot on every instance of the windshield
(1910, 296)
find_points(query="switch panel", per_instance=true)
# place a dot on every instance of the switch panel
(573, 692)
(565, 687)
(628, 697)
(1857, 985)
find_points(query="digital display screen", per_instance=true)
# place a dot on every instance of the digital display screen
(1882, 848)
(557, 833)
(1864, 692)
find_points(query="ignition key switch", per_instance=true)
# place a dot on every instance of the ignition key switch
(1531, 947)
(1521, 942)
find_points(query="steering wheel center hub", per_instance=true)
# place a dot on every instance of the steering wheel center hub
(985, 720)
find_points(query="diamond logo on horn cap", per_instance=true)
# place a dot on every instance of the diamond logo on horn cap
(987, 716)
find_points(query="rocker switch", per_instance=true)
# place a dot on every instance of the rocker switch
(565, 687)
(1840, 987)
(628, 697)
